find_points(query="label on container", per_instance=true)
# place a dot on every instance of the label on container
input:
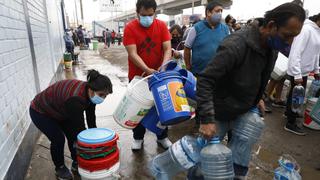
(165, 98)
(178, 96)
(181, 156)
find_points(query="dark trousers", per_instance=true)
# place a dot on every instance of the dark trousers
(140, 130)
(291, 116)
(55, 133)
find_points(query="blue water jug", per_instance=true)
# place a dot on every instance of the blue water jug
(246, 131)
(181, 156)
(298, 94)
(286, 171)
(314, 88)
(216, 161)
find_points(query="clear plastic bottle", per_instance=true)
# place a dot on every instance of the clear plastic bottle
(216, 161)
(288, 169)
(314, 88)
(298, 94)
(246, 132)
(181, 156)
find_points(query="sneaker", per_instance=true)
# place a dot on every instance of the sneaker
(268, 108)
(165, 143)
(136, 145)
(293, 128)
(63, 173)
(74, 166)
(280, 104)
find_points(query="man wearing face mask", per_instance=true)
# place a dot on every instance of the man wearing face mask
(58, 113)
(147, 41)
(69, 42)
(204, 39)
(303, 59)
(235, 79)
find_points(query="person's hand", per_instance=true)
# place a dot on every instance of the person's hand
(316, 76)
(150, 71)
(298, 81)
(176, 54)
(208, 130)
(262, 107)
(188, 67)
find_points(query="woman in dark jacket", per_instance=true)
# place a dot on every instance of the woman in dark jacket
(58, 113)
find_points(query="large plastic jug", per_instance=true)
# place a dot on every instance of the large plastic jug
(216, 161)
(288, 169)
(314, 88)
(298, 94)
(181, 156)
(246, 132)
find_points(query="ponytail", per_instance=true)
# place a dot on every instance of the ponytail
(98, 82)
(315, 18)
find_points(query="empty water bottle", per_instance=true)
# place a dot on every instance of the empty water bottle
(314, 88)
(288, 169)
(216, 161)
(181, 156)
(298, 94)
(246, 132)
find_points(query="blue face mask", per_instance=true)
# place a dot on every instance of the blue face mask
(96, 99)
(276, 43)
(146, 21)
(216, 18)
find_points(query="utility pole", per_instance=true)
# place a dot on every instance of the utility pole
(76, 9)
(81, 11)
(192, 6)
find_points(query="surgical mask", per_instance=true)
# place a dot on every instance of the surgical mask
(216, 18)
(96, 99)
(276, 43)
(146, 21)
(176, 40)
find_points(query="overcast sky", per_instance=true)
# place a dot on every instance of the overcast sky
(241, 9)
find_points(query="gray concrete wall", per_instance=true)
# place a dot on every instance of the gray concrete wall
(31, 47)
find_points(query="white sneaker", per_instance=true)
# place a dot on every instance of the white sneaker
(136, 145)
(165, 143)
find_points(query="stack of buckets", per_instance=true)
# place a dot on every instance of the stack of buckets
(165, 105)
(67, 58)
(98, 154)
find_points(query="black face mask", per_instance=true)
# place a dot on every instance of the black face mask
(176, 39)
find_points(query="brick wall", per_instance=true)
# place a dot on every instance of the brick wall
(17, 79)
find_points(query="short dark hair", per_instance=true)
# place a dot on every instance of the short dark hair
(315, 18)
(98, 82)
(177, 27)
(146, 4)
(281, 14)
(228, 18)
(211, 6)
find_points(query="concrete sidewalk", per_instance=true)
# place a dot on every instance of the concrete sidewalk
(274, 142)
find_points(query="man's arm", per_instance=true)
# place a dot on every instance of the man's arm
(187, 57)
(166, 51)
(188, 46)
(136, 59)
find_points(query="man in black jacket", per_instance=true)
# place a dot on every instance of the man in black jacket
(235, 80)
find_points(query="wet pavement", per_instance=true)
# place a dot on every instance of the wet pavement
(113, 62)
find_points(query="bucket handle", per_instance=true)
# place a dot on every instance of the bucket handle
(134, 85)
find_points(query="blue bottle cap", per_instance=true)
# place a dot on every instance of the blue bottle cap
(215, 140)
(96, 135)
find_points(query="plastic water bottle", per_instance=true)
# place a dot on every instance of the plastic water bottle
(181, 156)
(314, 88)
(297, 99)
(216, 161)
(287, 170)
(246, 132)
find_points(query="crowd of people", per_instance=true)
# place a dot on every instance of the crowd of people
(232, 64)
(110, 37)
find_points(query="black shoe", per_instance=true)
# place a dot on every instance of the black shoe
(268, 104)
(293, 128)
(280, 104)
(63, 173)
(74, 166)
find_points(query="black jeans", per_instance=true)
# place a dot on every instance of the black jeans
(55, 133)
(140, 130)
(291, 116)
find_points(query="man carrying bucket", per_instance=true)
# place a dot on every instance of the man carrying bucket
(235, 80)
(147, 41)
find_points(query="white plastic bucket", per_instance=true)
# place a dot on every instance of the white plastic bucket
(135, 104)
(280, 68)
(108, 174)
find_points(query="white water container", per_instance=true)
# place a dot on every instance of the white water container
(280, 68)
(135, 104)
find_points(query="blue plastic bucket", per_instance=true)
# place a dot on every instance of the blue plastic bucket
(172, 66)
(152, 123)
(190, 83)
(170, 98)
